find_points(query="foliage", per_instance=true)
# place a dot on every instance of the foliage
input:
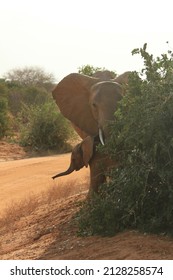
(90, 70)
(98, 215)
(139, 194)
(43, 127)
(27, 107)
(28, 85)
(28, 95)
(4, 119)
(30, 76)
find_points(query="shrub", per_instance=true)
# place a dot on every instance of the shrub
(29, 95)
(140, 192)
(4, 119)
(43, 127)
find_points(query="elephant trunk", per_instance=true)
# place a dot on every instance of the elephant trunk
(67, 172)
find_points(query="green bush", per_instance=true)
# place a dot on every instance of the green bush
(140, 192)
(4, 119)
(29, 95)
(43, 127)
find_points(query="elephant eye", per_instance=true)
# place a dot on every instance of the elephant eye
(94, 105)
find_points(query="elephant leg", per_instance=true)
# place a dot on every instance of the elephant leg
(96, 179)
(97, 176)
(99, 166)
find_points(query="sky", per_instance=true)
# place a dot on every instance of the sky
(62, 35)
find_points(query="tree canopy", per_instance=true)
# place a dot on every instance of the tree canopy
(30, 76)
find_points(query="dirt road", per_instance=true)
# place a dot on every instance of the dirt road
(20, 178)
(49, 231)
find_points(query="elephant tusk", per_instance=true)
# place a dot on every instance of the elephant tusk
(101, 136)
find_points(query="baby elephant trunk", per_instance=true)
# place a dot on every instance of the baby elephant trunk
(67, 172)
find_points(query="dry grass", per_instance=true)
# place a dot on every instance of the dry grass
(16, 210)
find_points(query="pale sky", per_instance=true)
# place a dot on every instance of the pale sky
(62, 35)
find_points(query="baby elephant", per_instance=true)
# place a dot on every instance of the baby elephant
(80, 157)
(85, 154)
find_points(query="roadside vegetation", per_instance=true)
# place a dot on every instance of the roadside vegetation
(139, 194)
(28, 113)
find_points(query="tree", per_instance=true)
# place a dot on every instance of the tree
(30, 76)
(90, 70)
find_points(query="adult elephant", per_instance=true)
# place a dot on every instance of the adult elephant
(89, 103)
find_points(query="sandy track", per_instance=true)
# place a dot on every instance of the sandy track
(49, 232)
(20, 178)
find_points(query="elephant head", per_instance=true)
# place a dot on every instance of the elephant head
(80, 157)
(90, 102)
(104, 75)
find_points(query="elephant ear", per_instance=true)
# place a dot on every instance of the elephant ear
(72, 97)
(123, 78)
(87, 147)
